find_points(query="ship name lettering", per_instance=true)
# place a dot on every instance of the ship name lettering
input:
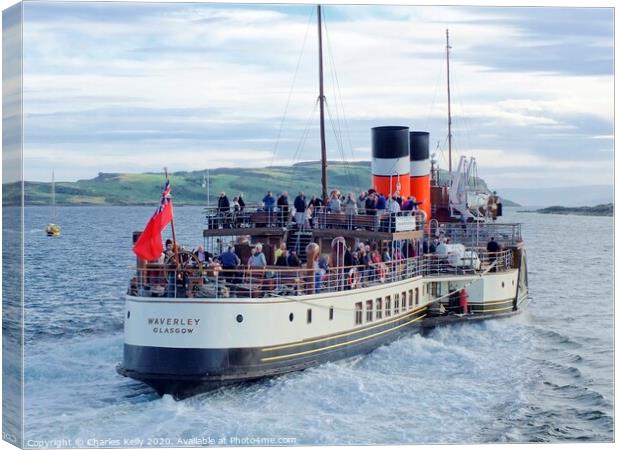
(170, 321)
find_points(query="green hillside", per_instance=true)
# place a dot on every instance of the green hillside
(145, 188)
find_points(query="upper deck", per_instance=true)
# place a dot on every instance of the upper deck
(193, 279)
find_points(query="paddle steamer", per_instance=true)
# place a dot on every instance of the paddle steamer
(191, 327)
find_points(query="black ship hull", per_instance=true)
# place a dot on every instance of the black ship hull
(182, 372)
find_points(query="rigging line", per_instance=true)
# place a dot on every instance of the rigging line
(340, 146)
(338, 141)
(437, 80)
(335, 124)
(339, 97)
(304, 137)
(290, 94)
(465, 119)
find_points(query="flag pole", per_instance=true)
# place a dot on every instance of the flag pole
(174, 239)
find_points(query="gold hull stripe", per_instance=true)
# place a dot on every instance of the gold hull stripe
(334, 336)
(308, 352)
(493, 302)
(494, 309)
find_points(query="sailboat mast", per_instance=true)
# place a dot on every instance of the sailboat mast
(449, 112)
(53, 198)
(322, 112)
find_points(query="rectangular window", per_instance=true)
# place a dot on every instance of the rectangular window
(331, 313)
(368, 310)
(379, 308)
(403, 295)
(388, 306)
(417, 296)
(396, 304)
(309, 316)
(411, 297)
(358, 313)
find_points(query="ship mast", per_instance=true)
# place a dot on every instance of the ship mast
(322, 112)
(449, 112)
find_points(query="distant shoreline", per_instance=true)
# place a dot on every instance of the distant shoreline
(604, 210)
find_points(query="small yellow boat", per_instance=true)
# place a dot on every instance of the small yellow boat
(52, 229)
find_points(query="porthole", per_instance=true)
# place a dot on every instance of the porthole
(128, 314)
(239, 318)
(291, 317)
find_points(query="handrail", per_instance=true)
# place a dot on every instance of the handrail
(245, 282)
(318, 218)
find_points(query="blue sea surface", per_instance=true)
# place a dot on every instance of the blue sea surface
(543, 376)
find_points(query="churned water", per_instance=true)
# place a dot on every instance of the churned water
(545, 375)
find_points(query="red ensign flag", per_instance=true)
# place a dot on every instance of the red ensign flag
(149, 245)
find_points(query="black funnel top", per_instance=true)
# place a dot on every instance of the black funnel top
(418, 143)
(390, 142)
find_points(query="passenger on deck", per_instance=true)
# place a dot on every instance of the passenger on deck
(370, 204)
(169, 250)
(257, 260)
(280, 250)
(310, 215)
(408, 204)
(316, 201)
(300, 209)
(283, 206)
(399, 199)
(377, 265)
(223, 204)
(348, 258)
(355, 258)
(432, 248)
(381, 204)
(293, 260)
(493, 246)
(241, 202)
(334, 204)
(269, 202)
(230, 262)
(282, 260)
(350, 205)
(203, 257)
(392, 205)
(386, 257)
(235, 204)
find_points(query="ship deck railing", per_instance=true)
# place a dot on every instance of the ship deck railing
(156, 280)
(322, 218)
(477, 234)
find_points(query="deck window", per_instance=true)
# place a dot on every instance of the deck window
(411, 297)
(379, 308)
(358, 313)
(403, 295)
(388, 306)
(396, 304)
(309, 316)
(417, 296)
(368, 310)
(331, 313)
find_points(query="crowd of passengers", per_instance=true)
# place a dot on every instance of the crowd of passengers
(303, 210)
(364, 264)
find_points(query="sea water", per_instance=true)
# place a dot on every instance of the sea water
(544, 375)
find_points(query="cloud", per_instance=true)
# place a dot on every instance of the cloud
(184, 79)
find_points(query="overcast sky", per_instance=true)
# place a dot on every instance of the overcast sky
(120, 87)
